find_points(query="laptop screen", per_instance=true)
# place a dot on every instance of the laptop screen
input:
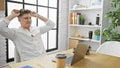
(80, 52)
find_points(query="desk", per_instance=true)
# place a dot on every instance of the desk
(94, 60)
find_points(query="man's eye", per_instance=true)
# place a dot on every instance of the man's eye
(26, 18)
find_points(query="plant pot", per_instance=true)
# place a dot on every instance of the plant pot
(81, 20)
(97, 37)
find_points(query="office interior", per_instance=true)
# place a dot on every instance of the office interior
(59, 38)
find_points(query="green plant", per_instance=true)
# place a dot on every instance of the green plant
(81, 20)
(97, 32)
(114, 17)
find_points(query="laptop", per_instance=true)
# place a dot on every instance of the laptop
(79, 54)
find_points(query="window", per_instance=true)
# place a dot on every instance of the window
(46, 8)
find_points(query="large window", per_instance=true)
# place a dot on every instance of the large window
(46, 8)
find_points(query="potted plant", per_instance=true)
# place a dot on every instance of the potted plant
(114, 17)
(97, 34)
(81, 20)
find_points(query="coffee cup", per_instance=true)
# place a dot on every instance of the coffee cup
(61, 60)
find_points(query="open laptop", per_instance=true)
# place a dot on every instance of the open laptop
(79, 54)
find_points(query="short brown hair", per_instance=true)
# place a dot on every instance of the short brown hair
(24, 11)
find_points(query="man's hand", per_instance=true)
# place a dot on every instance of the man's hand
(14, 13)
(34, 14)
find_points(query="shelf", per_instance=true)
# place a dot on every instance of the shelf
(88, 26)
(79, 32)
(91, 8)
(84, 39)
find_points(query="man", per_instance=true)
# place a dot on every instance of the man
(27, 39)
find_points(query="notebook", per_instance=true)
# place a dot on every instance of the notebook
(79, 54)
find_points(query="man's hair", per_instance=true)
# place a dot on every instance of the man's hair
(24, 11)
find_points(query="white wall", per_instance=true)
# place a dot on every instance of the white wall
(2, 46)
(63, 24)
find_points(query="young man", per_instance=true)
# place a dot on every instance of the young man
(27, 40)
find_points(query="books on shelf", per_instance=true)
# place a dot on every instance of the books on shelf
(75, 17)
(71, 17)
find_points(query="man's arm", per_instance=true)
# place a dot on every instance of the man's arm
(49, 24)
(4, 22)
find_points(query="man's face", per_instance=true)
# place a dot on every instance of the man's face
(25, 20)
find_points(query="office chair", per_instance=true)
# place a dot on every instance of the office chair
(110, 48)
(16, 56)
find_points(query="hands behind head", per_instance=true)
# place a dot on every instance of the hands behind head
(16, 13)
